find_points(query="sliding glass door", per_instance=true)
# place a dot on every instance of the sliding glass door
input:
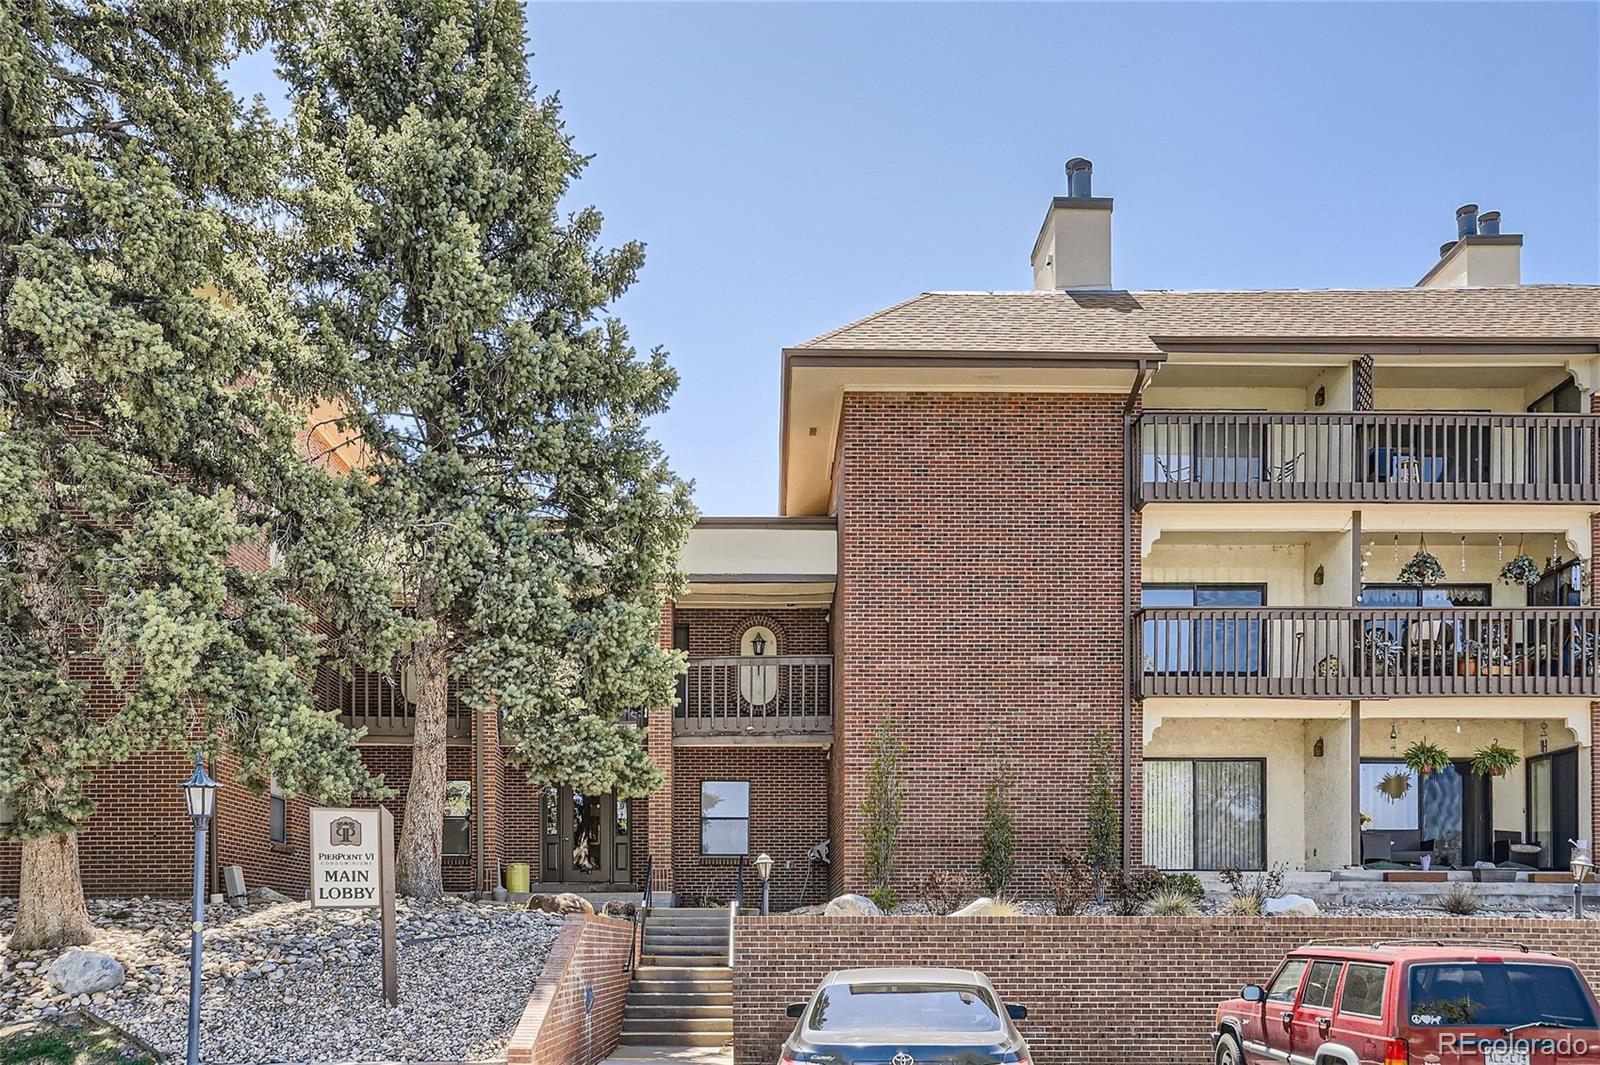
(1205, 813)
(1205, 644)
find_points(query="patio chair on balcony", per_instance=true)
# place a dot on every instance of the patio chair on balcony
(1286, 472)
(1381, 652)
(1177, 473)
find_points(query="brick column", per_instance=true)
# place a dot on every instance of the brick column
(658, 807)
(489, 802)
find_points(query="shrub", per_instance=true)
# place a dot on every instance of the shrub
(942, 892)
(1170, 903)
(1242, 906)
(883, 808)
(997, 839)
(1257, 886)
(1460, 900)
(1186, 884)
(1072, 884)
(1129, 890)
(1105, 826)
(1002, 908)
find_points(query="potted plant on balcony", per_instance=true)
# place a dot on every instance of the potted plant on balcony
(1494, 759)
(1423, 568)
(1426, 758)
(1488, 653)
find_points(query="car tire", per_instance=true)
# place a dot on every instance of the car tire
(1228, 1050)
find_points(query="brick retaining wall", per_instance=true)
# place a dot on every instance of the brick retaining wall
(555, 1028)
(1139, 991)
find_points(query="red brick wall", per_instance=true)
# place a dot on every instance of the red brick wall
(980, 603)
(800, 631)
(555, 1029)
(788, 816)
(393, 761)
(1087, 981)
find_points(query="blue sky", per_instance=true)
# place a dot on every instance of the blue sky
(792, 166)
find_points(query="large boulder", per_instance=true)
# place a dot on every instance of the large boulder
(563, 904)
(986, 907)
(619, 908)
(852, 906)
(84, 972)
(1290, 906)
(805, 911)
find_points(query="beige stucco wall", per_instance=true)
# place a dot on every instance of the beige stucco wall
(1327, 794)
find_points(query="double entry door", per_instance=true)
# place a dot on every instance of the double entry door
(586, 837)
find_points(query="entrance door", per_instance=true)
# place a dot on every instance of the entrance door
(1553, 806)
(585, 837)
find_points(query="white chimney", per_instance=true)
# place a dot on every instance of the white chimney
(1480, 254)
(1073, 251)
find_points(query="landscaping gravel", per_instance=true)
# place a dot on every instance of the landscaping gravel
(286, 983)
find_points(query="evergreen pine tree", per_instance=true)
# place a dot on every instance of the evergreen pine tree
(534, 525)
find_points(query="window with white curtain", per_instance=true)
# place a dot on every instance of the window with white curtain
(1205, 813)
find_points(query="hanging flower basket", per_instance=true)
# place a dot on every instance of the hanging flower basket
(1395, 786)
(1520, 570)
(1494, 760)
(1426, 758)
(1423, 568)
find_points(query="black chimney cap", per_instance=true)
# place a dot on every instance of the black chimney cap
(1466, 209)
(1078, 162)
(1444, 249)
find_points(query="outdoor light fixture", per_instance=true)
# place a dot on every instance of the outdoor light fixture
(200, 795)
(1394, 732)
(764, 868)
(1582, 866)
(758, 644)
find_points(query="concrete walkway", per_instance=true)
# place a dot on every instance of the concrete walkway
(671, 1056)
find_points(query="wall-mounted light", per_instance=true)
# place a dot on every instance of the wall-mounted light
(1318, 576)
(758, 644)
(1316, 748)
(1321, 396)
(1394, 732)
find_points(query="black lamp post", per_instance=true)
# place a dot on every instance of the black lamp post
(200, 795)
(764, 867)
(1582, 867)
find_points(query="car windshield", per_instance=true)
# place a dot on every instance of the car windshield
(1455, 994)
(904, 1007)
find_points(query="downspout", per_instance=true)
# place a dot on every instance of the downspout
(477, 800)
(1129, 423)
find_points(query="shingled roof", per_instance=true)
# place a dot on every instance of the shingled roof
(1138, 323)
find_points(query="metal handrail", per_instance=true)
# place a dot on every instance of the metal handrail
(641, 915)
(733, 909)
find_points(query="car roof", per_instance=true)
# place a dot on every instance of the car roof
(1427, 950)
(906, 974)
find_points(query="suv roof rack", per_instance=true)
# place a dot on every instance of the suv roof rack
(1379, 944)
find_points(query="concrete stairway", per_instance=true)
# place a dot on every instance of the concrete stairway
(682, 990)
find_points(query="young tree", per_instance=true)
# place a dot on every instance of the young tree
(997, 836)
(883, 807)
(1105, 824)
(535, 525)
(150, 434)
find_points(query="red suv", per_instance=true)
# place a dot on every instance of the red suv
(1413, 1003)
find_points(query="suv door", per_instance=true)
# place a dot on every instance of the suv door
(1277, 1013)
(1313, 1016)
(1358, 1020)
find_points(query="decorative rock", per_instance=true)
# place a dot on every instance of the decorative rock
(563, 904)
(984, 907)
(805, 911)
(852, 906)
(81, 972)
(1290, 906)
(619, 908)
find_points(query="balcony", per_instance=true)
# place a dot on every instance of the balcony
(1377, 456)
(1367, 652)
(378, 704)
(773, 697)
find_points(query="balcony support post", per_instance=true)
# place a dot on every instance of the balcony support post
(1355, 782)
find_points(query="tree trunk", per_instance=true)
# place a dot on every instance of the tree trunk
(417, 868)
(50, 909)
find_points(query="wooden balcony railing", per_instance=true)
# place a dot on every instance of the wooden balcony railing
(1367, 652)
(761, 695)
(1386, 456)
(376, 703)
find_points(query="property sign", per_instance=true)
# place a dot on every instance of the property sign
(344, 858)
(352, 867)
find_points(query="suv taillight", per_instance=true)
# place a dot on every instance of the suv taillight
(1395, 1052)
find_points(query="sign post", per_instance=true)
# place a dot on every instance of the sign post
(352, 868)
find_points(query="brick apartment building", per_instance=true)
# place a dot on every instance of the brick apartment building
(1016, 521)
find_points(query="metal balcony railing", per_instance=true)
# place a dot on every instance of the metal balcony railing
(1367, 652)
(378, 704)
(1384, 456)
(756, 695)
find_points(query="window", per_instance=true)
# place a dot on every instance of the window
(1320, 984)
(1205, 813)
(1200, 644)
(724, 818)
(458, 818)
(1497, 994)
(1363, 990)
(1389, 795)
(278, 809)
(1287, 982)
(914, 1007)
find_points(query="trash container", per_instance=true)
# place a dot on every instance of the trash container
(517, 878)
